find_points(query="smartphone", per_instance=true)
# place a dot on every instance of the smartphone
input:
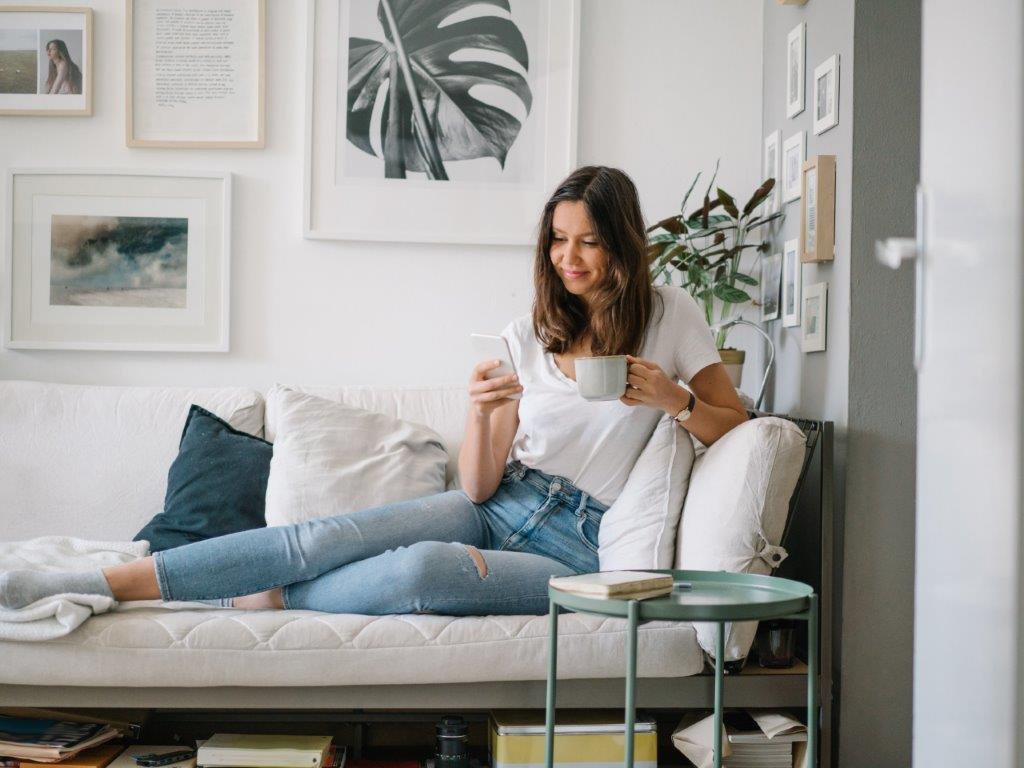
(489, 347)
(166, 758)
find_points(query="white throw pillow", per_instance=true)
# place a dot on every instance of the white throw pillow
(638, 531)
(736, 507)
(331, 459)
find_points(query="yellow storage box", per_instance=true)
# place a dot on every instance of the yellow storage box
(594, 738)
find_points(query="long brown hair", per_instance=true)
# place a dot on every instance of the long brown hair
(74, 73)
(621, 306)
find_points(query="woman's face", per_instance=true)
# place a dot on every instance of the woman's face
(576, 254)
(51, 52)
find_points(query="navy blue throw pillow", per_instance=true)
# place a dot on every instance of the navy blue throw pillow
(217, 484)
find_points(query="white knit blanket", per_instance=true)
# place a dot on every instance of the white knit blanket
(58, 615)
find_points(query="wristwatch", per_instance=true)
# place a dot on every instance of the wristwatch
(687, 412)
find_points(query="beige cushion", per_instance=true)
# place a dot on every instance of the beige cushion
(639, 529)
(736, 506)
(331, 459)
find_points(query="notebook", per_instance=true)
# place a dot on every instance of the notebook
(618, 584)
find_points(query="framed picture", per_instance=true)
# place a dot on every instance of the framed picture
(771, 274)
(792, 278)
(818, 209)
(826, 95)
(118, 260)
(772, 169)
(795, 64)
(404, 144)
(792, 162)
(45, 60)
(196, 73)
(815, 318)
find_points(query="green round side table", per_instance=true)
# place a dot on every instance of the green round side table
(713, 596)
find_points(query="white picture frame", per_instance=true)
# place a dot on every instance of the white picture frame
(354, 188)
(815, 318)
(793, 156)
(124, 260)
(772, 169)
(826, 95)
(796, 53)
(792, 282)
(27, 35)
(178, 92)
(771, 278)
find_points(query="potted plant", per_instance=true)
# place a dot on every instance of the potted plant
(703, 252)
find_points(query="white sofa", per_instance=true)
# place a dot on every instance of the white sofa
(91, 462)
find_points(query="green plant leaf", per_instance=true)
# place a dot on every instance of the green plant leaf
(663, 238)
(765, 219)
(698, 214)
(686, 197)
(759, 196)
(744, 278)
(728, 203)
(673, 224)
(731, 294)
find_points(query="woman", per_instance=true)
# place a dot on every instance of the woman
(537, 472)
(65, 77)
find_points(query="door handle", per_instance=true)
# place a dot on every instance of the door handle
(893, 251)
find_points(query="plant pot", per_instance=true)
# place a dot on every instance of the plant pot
(733, 359)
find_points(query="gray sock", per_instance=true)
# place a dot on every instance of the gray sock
(21, 588)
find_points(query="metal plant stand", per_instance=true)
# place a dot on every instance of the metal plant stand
(712, 596)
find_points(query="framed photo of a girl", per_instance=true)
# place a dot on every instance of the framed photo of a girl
(45, 60)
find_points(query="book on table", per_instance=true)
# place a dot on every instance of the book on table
(633, 585)
(258, 750)
(94, 757)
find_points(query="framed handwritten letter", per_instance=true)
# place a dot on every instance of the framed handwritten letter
(196, 73)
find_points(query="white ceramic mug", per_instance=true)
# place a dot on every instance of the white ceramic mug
(601, 378)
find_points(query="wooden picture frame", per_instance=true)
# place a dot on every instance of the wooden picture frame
(149, 121)
(818, 209)
(79, 275)
(25, 98)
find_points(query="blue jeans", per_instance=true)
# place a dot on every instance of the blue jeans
(437, 554)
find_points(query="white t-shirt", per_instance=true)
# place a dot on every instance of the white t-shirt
(595, 444)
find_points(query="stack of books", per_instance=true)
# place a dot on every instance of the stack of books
(31, 741)
(257, 750)
(752, 749)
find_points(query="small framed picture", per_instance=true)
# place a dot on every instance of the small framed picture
(118, 260)
(771, 274)
(45, 60)
(196, 73)
(792, 279)
(773, 169)
(826, 95)
(795, 52)
(792, 162)
(815, 318)
(818, 209)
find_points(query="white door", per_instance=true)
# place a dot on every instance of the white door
(967, 660)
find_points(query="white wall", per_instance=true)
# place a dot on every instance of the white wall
(665, 88)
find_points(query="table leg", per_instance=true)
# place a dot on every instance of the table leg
(812, 682)
(633, 616)
(549, 719)
(719, 679)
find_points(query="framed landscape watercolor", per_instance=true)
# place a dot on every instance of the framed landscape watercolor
(792, 162)
(795, 63)
(196, 73)
(117, 260)
(826, 95)
(772, 169)
(771, 275)
(815, 318)
(437, 120)
(45, 60)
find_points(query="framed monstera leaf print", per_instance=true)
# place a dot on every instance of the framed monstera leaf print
(438, 120)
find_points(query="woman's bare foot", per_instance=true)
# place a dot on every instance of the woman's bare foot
(261, 601)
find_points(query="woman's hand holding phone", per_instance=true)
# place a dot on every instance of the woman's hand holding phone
(489, 394)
